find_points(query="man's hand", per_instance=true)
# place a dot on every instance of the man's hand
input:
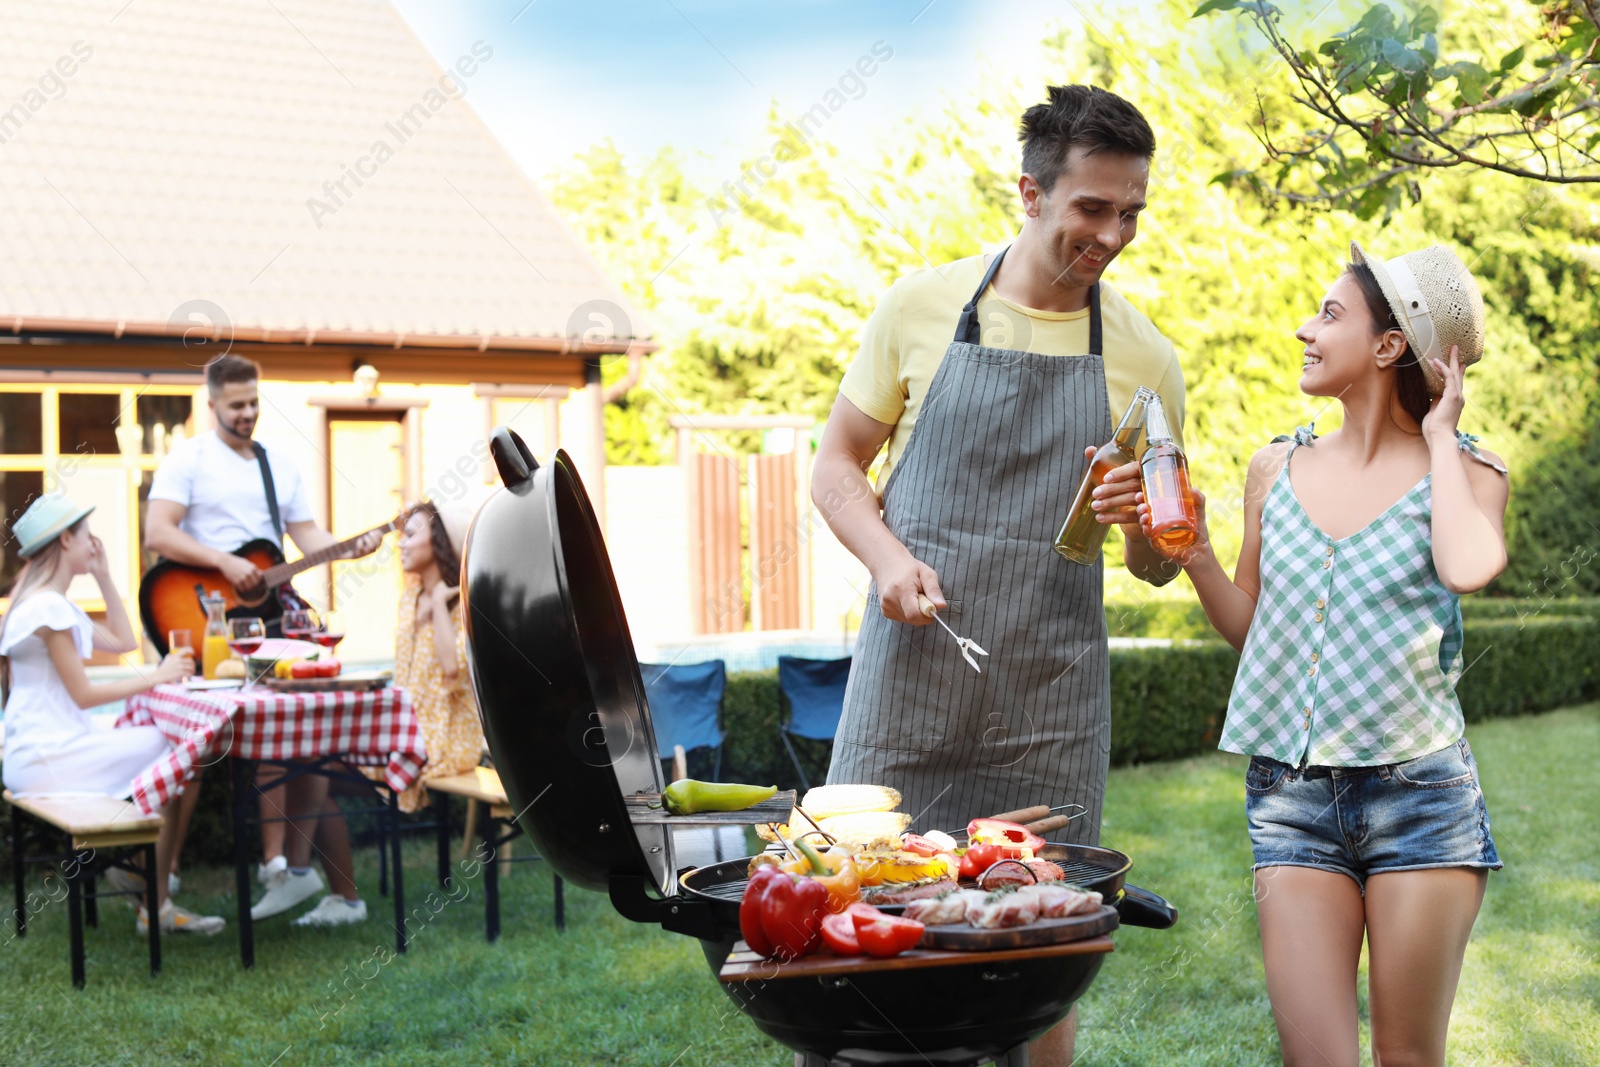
(900, 581)
(244, 576)
(367, 544)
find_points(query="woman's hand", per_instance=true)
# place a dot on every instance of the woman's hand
(1439, 424)
(175, 667)
(1198, 549)
(99, 564)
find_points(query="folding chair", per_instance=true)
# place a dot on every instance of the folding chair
(686, 706)
(815, 690)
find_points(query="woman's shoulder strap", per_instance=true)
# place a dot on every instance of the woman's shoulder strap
(1468, 443)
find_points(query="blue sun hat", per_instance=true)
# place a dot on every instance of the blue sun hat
(45, 520)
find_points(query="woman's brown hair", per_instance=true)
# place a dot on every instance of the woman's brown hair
(1410, 385)
(444, 553)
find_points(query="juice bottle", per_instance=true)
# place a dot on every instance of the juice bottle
(214, 647)
(1165, 473)
(1081, 535)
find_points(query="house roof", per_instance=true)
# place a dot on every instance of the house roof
(278, 170)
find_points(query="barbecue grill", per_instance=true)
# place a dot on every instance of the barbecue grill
(565, 714)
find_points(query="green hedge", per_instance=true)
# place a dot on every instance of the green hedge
(1169, 702)
(1184, 620)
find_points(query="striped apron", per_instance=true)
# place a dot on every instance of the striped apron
(993, 461)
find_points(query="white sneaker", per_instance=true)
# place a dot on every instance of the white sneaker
(285, 890)
(265, 871)
(122, 881)
(334, 910)
(176, 920)
(173, 884)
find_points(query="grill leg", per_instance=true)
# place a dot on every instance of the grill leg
(491, 878)
(561, 901)
(441, 815)
(18, 862)
(399, 875)
(243, 793)
(150, 897)
(75, 925)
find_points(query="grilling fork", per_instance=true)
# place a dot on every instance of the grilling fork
(967, 645)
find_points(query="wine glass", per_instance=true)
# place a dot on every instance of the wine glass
(331, 632)
(245, 636)
(299, 625)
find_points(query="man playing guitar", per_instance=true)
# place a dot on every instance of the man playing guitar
(209, 496)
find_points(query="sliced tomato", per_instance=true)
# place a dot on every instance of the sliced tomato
(886, 935)
(919, 844)
(860, 908)
(839, 931)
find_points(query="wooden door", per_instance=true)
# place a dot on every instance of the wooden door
(775, 546)
(715, 544)
(366, 486)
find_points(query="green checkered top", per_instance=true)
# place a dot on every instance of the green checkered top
(1354, 652)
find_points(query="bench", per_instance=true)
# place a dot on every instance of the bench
(89, 825)
(498, 830)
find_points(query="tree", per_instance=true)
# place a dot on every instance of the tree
(1386, 100)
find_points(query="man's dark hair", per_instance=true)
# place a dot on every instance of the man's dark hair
(225, 370)
(1080, 116)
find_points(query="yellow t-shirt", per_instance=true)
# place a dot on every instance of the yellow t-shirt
(915, 321)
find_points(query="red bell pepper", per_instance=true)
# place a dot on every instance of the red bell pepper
(885, 935)
(999, 832)
(755, 935)
(791, 912)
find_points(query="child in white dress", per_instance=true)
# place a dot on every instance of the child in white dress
(51, 745)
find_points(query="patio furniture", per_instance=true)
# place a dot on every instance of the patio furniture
(815, 692)
(308, 733)
(499, 829)
(685, 701)
(93, 828)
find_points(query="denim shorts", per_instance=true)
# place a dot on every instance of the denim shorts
(1360, 821)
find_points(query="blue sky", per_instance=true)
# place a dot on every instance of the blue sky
(702, 74)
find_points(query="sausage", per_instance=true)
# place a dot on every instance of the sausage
(1025, 815)
(1045, 826)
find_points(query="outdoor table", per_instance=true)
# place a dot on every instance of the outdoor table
(309, 732)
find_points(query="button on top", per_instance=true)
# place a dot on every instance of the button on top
(1313, 657)
(1321, 603)
(1330, 550)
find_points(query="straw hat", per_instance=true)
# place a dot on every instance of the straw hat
(1436, 301)
(456, 519)
(44, 521)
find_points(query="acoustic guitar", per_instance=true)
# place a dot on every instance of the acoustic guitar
(170, 593)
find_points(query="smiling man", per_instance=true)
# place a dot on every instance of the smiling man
(989, 378)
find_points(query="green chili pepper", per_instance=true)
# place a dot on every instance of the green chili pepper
(689, 797)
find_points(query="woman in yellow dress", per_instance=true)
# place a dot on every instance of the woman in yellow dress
(430, 660)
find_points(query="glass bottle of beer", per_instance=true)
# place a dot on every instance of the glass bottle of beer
(1081, 535)
(1165, 473)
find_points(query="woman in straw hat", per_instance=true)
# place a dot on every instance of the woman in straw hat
(52, 746)
(1366, 816)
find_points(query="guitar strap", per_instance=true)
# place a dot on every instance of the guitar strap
(271, 489)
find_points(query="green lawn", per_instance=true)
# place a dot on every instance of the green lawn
(608, 991)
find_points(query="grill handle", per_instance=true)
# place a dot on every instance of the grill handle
(681, 915)
(1140, 907)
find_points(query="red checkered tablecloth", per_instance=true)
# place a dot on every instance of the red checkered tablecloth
(373, 728)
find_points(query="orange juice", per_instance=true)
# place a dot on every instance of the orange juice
(214, 650)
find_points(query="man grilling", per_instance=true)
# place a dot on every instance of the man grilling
(991, 379)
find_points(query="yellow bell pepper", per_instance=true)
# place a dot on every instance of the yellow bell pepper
(835, 870)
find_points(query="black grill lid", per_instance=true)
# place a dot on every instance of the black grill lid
(555, 674)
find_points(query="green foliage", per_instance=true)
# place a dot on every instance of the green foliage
(759, 295)
(1373, 107)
